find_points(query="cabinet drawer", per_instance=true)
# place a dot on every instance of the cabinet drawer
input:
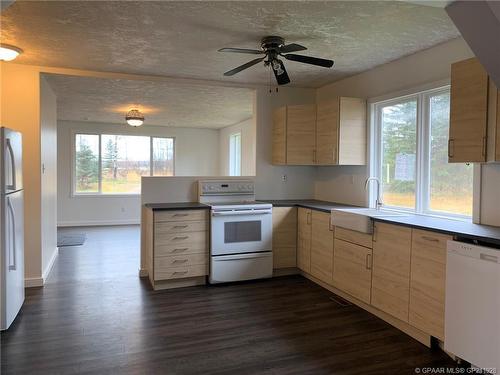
(358, 238)
(180, 215)
(181, 249)
(181, 272)
(193, 238)
(176, 261)
(180, 226)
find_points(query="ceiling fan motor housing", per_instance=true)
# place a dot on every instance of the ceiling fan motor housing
(272, 43)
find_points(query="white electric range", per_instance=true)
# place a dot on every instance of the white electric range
(240, 231)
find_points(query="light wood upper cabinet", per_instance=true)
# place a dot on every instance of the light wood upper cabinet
(330, 133)
(341, 132)
(327, 132)
(279, 136)
(468, 112)
(352, 269)
(493, 150)
(284, 237)
(304, 239)
(428, 282)
(300, 134)
(322, 246)
(391, 269)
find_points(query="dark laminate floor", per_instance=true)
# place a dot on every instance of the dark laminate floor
(95, 316)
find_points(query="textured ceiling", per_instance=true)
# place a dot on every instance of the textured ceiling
(166, 104)
(181, 39)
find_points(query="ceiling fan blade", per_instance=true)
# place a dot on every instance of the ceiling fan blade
(242, 50)
(282, 78)
(310, 60)
(293, 47)
(243, 67)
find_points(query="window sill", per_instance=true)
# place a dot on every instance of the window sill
(90, 195)
(455, 217)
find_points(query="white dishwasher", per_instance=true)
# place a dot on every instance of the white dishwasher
(472, 317)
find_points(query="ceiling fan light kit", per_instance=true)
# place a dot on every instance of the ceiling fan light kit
(273, 47)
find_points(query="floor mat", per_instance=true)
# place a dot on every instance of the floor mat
(75, 239)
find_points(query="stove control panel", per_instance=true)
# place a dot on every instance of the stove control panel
(225, 187)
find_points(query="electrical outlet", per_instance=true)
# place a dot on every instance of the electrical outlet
(284, 178)
(351, 179)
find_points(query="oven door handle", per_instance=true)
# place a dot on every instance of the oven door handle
(241, 213)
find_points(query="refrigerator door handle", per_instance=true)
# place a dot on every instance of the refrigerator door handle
(12, 266)
(13, 165)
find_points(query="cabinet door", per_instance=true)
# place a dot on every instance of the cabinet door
(428, 282)
(304, 240)
(301, 134)
(391, 269)
(468, 112)
(352, 269)
(284, 237)
(279, 136)
(322, 247)
(327, 132)
(352, 132)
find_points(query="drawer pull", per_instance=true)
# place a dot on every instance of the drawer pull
(180, 226)
(181, 238)
(368, 261)
(179, 215)
(432, 239)
(179, 272)
(180, 261)
(180, 249)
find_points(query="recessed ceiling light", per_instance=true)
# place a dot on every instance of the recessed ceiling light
(8, 52)
(134, 117)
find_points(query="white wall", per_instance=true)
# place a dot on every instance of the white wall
(196, 153)
(247, 130)
(346, 184)
(48, 135)
(20, 110)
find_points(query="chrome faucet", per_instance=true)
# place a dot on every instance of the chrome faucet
(378, 202)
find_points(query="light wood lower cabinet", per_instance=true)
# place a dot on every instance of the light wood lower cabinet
(304, 239)
(176, 247)
(428, 282)
(321, 246)
(352, 269)
(284, 237)
(391, 269)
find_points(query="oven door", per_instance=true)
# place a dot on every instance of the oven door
(241, 231)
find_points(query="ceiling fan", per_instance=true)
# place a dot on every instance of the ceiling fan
(272, 47)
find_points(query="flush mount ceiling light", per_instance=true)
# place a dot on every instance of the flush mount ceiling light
(8, 52)
(134, 117)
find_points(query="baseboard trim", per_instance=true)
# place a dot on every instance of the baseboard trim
(97, 223)
(33, 282)
(47, 270)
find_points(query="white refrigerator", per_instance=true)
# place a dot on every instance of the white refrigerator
(11, 227)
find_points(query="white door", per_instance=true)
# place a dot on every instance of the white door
(13, 258)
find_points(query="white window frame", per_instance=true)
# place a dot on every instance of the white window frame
(99, 193)
(422, 185)
(230, 158)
